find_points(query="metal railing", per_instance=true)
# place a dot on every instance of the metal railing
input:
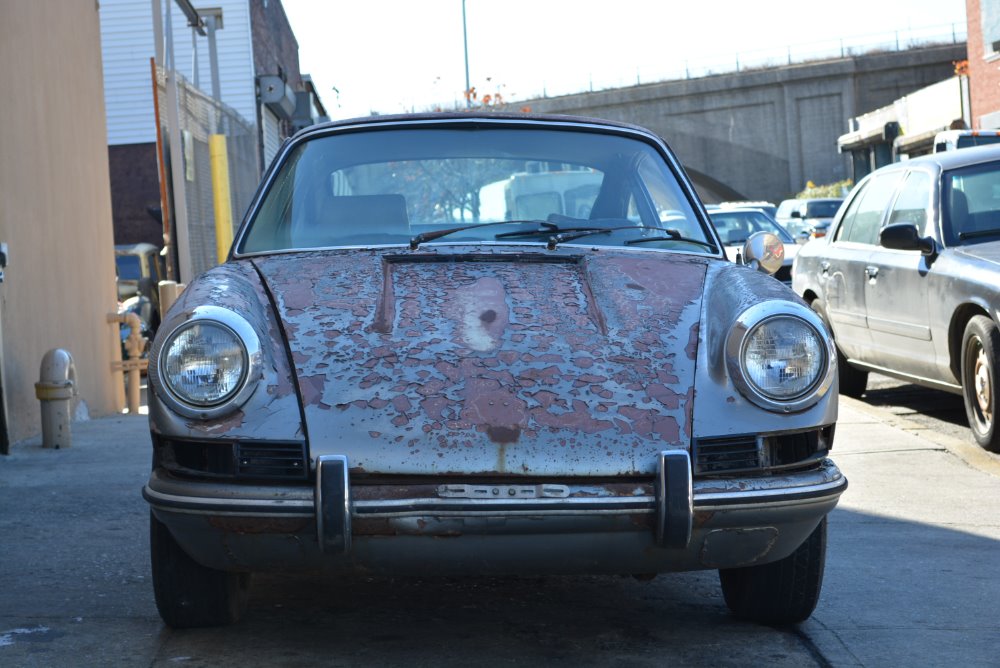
(677, 69)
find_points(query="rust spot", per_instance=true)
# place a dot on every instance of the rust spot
(385, 309)
(500, 434)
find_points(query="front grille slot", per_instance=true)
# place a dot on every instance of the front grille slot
(286, 461)
(727, 454)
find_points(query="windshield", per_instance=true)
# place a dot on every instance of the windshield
(822, 209)
(971, 204)
(735, 227)
(388, 186)
(965, 141)
(129, 268)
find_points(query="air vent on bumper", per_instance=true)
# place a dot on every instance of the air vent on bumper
(754, 453)
(727, 454)
(286, 461)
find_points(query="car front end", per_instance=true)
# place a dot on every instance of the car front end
(525, 402)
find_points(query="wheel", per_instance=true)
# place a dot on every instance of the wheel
(782, 592)
(853, 381)
(980, 352)
(189, 595)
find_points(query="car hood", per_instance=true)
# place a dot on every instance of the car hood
(987, 252)
(497, 363)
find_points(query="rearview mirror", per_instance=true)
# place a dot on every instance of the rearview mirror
(905, 236)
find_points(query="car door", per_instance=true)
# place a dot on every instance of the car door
(896, 289)
(842, 271)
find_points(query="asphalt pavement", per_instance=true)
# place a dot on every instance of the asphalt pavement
(911, 578)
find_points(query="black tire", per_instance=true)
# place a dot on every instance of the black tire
(853, 381)
(782, 592)
(980, 379)
(189, 595)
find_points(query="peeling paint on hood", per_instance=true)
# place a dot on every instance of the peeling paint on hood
(485, 362)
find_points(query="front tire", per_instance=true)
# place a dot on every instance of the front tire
(980, 352)
(853, 381)
(189, 595)
(782, 592)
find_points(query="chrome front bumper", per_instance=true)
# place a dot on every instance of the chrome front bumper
(669, 523)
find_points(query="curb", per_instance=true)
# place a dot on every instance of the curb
(970, 453)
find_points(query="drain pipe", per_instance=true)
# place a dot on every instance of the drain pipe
(134, 364)
(55, 388)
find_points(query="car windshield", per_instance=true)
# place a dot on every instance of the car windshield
(735, 227)
(971, 204)
(129, 268)
(390, 186)
(821, 209)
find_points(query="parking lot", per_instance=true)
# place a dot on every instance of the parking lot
(909, 576)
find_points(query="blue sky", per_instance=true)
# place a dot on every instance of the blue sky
(397, 55)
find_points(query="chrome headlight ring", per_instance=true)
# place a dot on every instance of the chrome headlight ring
(228, 321)
(740, 338)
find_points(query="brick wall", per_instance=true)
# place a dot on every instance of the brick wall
(984, 76)
(274, 44)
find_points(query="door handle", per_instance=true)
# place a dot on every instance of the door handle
(871, 272)
(824, 266)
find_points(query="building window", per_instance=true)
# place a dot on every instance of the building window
(989, 16)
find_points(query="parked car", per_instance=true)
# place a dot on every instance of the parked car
(736, 225)
(950, 140)
(384, 379)
(140, 268)
(767, 207)
(808, 218)
(909, 280)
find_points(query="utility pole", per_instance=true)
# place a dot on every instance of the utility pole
(465, 40)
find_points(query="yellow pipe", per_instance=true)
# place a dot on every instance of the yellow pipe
(220, 196)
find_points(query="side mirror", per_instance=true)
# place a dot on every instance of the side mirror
(796, 214)
(764, 252)
(904, 236)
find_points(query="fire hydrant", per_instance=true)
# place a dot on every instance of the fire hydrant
(55, 388)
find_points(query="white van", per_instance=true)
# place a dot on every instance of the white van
(949, 140)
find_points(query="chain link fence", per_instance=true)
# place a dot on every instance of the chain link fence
(199, 117)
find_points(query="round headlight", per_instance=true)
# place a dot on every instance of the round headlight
(783, 357)
(204, 364)
(778, 356)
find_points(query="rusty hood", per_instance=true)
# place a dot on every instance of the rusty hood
(492, 363)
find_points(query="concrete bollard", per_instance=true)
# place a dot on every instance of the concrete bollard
(133, 364)
(55, 389)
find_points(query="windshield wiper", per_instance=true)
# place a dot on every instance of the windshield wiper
(437, 234)
(979, 233)
(672, 235)
(545, 228)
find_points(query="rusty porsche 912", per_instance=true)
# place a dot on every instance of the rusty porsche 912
(519, 333)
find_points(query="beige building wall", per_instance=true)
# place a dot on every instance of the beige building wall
(55, 207)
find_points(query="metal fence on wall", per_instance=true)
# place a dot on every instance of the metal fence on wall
(199, 117)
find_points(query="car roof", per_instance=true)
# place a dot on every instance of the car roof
(962, 157)
(473, 117)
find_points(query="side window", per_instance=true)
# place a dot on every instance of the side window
(913, 201)
(867, 218)
(849, 215)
